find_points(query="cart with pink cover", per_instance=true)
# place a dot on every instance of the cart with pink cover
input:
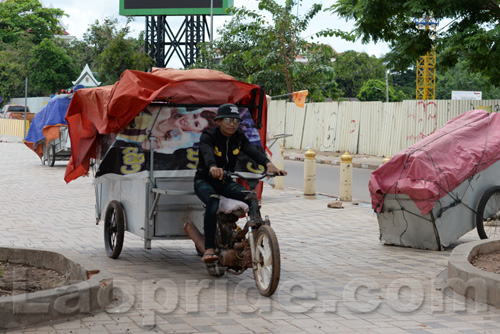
(442, 187)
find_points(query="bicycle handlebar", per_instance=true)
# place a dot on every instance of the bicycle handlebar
(250, 176)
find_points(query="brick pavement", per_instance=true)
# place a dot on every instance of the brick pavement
(336, 276)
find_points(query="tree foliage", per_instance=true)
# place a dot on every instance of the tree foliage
(107, 49)
(353, 69)
(375, 90)
(19, 16)
(458, 78)
(51, 68)
(472, 33)
(252, 49)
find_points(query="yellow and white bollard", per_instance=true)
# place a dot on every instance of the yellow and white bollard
(280, 163)
(346, 177)
(310, 173)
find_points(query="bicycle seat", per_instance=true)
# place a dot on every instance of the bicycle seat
(228, 205)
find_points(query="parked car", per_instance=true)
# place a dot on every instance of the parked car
(16, 112)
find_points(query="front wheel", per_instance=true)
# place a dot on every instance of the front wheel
(114, 229)
(488, 214)
(267, 263)
(215, 269)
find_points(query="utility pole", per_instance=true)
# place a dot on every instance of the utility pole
(386, 86)
(211, 20)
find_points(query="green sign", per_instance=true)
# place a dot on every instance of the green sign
(173, 7)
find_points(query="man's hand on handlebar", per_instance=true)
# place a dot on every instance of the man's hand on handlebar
(272, 169)
(216, 172)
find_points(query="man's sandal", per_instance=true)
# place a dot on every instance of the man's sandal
(209, 257)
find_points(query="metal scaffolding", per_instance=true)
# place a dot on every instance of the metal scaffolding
(184, 43)
(426, 65)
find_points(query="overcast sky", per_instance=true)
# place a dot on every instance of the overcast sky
(83, 13)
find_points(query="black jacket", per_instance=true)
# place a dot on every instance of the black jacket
(221, 151)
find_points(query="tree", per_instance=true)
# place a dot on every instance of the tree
(19, 16)
(252, 49)
(472, 34)
(353, 68)
(458, 78)
(375, 90)
(107, 49)
(14, 58)
(51, 68)
(405, 81)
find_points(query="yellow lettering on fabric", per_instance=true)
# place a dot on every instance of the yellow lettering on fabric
(192, 155)
(258, 170)
(237, 151)
(132, 160)
(217, 152)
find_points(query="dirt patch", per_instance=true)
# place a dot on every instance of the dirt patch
(488, 262)
(17, 278)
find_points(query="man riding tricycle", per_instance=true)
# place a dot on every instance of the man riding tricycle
(149, 135)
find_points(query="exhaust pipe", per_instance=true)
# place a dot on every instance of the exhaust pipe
(195, 235)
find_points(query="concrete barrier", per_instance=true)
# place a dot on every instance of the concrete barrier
(89, 289)
(12, 130)
(469, 281)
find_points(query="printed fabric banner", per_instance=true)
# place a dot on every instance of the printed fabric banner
(177, 131)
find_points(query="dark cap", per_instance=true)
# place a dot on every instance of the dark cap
(228, 110)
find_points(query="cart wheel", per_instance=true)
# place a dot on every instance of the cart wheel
(267, 256)
(488, 214)
(114, 229)
(215, 269)
(51, 152)
(44, 152)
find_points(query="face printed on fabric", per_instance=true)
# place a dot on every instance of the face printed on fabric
(188, 122)
(192, 122)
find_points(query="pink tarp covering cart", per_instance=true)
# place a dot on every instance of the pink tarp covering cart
(427, 195)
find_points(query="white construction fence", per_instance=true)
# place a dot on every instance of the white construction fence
(374, 128)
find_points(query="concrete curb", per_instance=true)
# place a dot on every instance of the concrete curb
(334, 162)
(90, 288)
(469, 281)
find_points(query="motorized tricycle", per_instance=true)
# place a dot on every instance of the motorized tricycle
(145, 153)
(253, 246)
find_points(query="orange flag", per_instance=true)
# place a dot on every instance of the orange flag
(300, 97)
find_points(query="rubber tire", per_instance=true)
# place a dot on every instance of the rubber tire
(267, 242)
(114, 229)
(51, 155)
(44, 152)
(215, 269)
(484, 203)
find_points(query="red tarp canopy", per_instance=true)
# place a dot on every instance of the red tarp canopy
(109, 109)
(431, 168)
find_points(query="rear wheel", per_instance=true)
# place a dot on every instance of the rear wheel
(267, 263)
(51, 153)
(488, 214)
(114, 229)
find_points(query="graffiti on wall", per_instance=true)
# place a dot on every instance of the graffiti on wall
(425, 114)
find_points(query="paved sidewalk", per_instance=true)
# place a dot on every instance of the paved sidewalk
(336, 277)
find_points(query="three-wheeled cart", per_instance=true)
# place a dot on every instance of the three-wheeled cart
(48, 134)
(146, 154)
(443, 186)
(58, 148)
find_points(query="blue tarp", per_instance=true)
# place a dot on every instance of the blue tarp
(53, 113)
